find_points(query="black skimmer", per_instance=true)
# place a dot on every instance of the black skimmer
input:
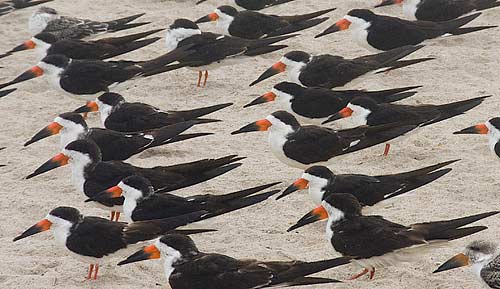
(440, 10)
(331, 71)
(84, 77)
(374, 242)
(304, 146)
(215, 50)
(11, 5)
(94, 240)
(113, 145)
(91, 175)
(483, 257)
(491, 128)
(369, 190)
(365, 111)
(47, 44)
(142, 203)
(187, 267)
(255, 25)
(47, 19)
(313, 105)
(119, 115)
(383, 33)
(255, 4)
(7, 92)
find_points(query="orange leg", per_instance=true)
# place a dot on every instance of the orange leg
(112, 216)
(372, 273)
(96, 271)
(200, 74)
(206, 77)
(91, 269)
(85, 115)
(364, 272)
(117, 216)
(387, 148)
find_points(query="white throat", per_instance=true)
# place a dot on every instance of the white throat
(171, 256)
(223, 22)
(277, 138)
(53, 74)
(70, 132)
(104, 111)
(359, 31)
(334, 215)
(174, 36)
(78, 162)
(41, 48)
(359, 115)
(493, 135)
(131, 196)
(60, 229)
(316, 186)
(410, 8)
(38, 21)
(293, 69)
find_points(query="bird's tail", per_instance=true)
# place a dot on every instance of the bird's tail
(123, 40)
(165, 134)
(7, 91)
(390, 58)
(392, 95)
(308, 16)
(486, 4)
(298, 26)
(416, 178)
(241, 194)
(264, 50)
(302, 269)
(193, 114)
(456, 108)
(183, 137)
(451, 229)
(123, 23)
(161, 63)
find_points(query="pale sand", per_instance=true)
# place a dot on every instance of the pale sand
(465, 67)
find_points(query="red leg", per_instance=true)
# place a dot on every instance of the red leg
(96, 271)
(112, 216)
(364, 272)
(85, 115)
(206, 77)
(91, 269)
(117, 216)
(387, 148)
(200, 74)
(372, 273)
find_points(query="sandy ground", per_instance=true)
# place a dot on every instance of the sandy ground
(465, 67)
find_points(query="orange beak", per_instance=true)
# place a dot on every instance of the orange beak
(91, 106)
(260, 125)
(39, 227)
(476, 129)
(278, 67)
(343, 113)
(52, 129)
(33, 72)
(313, 216)
(147, 253)
(342, 24)
(458, 261)
(57, 161)
(208, 18)
(300, 184)
(268, 97)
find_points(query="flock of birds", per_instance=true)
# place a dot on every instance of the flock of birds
(297, 137)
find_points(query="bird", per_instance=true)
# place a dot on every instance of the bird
(304, 146)
(186, 267)
(255, 4)
(142, 203)
(47, 19)
(215, 50)
(365, 111)
(491, 128)
(440, 10)
(10, 5)
(331, 71)
(112, 144)
(91, 175)
(313, 105)
(374, 242)
(119, 115)
(6, 92)
(255, 25)
(94, 240)
(369, 190)
(483, 256)
(83, 78)
(382, 33)
(47, 44)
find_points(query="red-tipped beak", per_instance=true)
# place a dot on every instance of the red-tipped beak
(208, 18)
(458, 261)
(300, 184)
(260, 125)
(39, 227)
(278, 67)
(147, 253)
(55, 162)
(52, 129)
(313, 216)
(343, 113)
(33, 72)
(268, 97)
(476, 129)
(342, 24)
(25, 46)
(388, 2)
(114, 192)
(91, 106)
